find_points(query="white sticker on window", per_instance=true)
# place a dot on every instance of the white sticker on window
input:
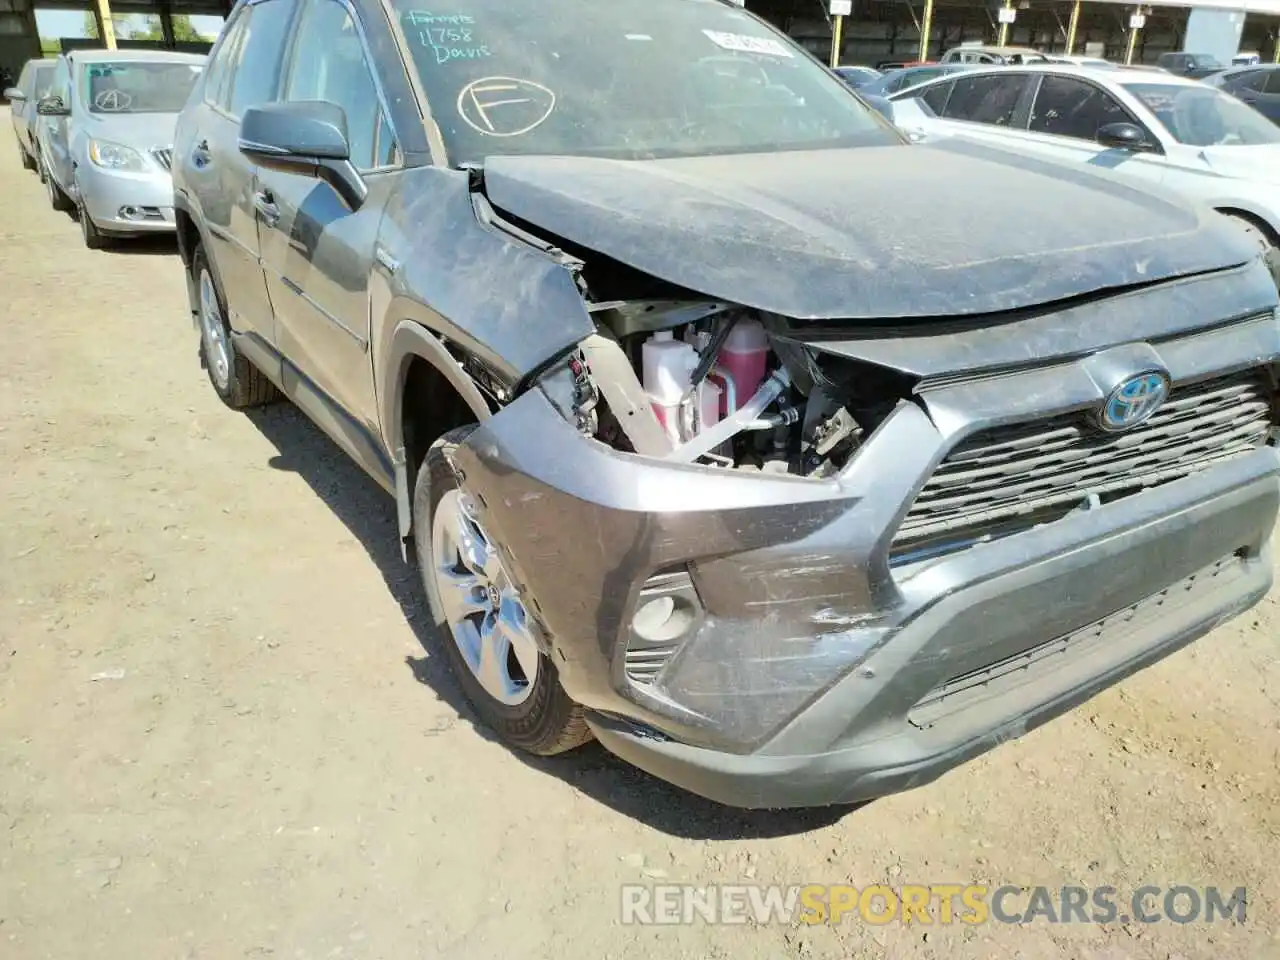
(744, 44)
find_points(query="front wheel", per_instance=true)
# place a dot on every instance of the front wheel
(237, 381)
(489, 637)
(57, 199)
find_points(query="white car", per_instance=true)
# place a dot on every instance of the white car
(1165, 131)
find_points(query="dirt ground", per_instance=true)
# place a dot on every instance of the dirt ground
(221, 735)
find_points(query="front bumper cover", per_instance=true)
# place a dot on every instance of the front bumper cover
(817, 673)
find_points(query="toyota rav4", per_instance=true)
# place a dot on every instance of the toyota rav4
(722, 423)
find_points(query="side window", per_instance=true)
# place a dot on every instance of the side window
(936, 96)
(987, 99)
(1273, 82)
(218, 76)
(256, 66)
(329, 64)
(1253, 80)
(1068, 107)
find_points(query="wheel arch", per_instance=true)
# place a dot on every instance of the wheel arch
(424, 394)
(1271, 230)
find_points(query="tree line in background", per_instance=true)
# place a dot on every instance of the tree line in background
(149, 28)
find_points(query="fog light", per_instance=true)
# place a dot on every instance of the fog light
(130, 213)
(667, 613)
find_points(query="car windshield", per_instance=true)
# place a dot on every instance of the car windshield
(138, 86)
(628, 79)
(1201, 116)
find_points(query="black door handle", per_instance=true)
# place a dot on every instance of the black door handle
(265, 204)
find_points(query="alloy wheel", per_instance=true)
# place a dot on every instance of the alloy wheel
(213, 333)
(486, 616)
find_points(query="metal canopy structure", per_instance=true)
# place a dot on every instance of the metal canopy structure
(893, 31)
(20, 36)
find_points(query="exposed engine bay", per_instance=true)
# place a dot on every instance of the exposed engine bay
(716, 384)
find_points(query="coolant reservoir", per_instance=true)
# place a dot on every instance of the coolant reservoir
(744, 357)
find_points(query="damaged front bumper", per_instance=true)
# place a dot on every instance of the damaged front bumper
(804, 667)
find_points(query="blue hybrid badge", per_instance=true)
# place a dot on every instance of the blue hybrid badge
(1134, 401)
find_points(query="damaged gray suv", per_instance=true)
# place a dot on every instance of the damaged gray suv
(724, 425)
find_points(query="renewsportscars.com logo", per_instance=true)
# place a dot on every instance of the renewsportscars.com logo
(939, 903)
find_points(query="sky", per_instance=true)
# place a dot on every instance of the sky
(70, 23)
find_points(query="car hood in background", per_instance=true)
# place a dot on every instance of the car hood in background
(950, 228)
(142, 131)
(1258, 163)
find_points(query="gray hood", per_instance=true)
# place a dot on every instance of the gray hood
(944, 229)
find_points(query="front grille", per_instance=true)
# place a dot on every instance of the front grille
(164, 157)
(1007, 479)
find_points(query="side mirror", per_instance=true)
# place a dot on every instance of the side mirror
(880, 105)
(52, 106)
(1124, 136)
(15, 95)
(307, 137)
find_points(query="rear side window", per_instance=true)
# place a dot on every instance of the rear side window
(936, 96)
(1253, 80)
(256, 66)
(1068, 107)
(988, 99)
(1273, 82)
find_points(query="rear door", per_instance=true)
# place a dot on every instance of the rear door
(220, 179)
(318, 253)
(983, 107)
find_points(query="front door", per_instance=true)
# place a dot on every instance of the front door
(57, 129)
(316, 251)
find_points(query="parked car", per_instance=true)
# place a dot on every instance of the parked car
(735, 432)
(993, 55)
(1257, 86)
(911, 77)
(857, 77)
(1193, 65)
(32, 83)
(105, 151)
(1246, 59)
(1164, 131)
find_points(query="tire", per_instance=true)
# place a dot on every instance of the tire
(94, 238)
(28, 161)
(544, 721)
(57, 199)
(237, 382)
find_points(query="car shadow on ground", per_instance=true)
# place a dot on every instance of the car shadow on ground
(369, 513)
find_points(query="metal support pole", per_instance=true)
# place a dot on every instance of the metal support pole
(1071, 28)
(1133, 42)
(1004, 27)
(166, 24)
(836, 29)
(925, 29)
(107, 27)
